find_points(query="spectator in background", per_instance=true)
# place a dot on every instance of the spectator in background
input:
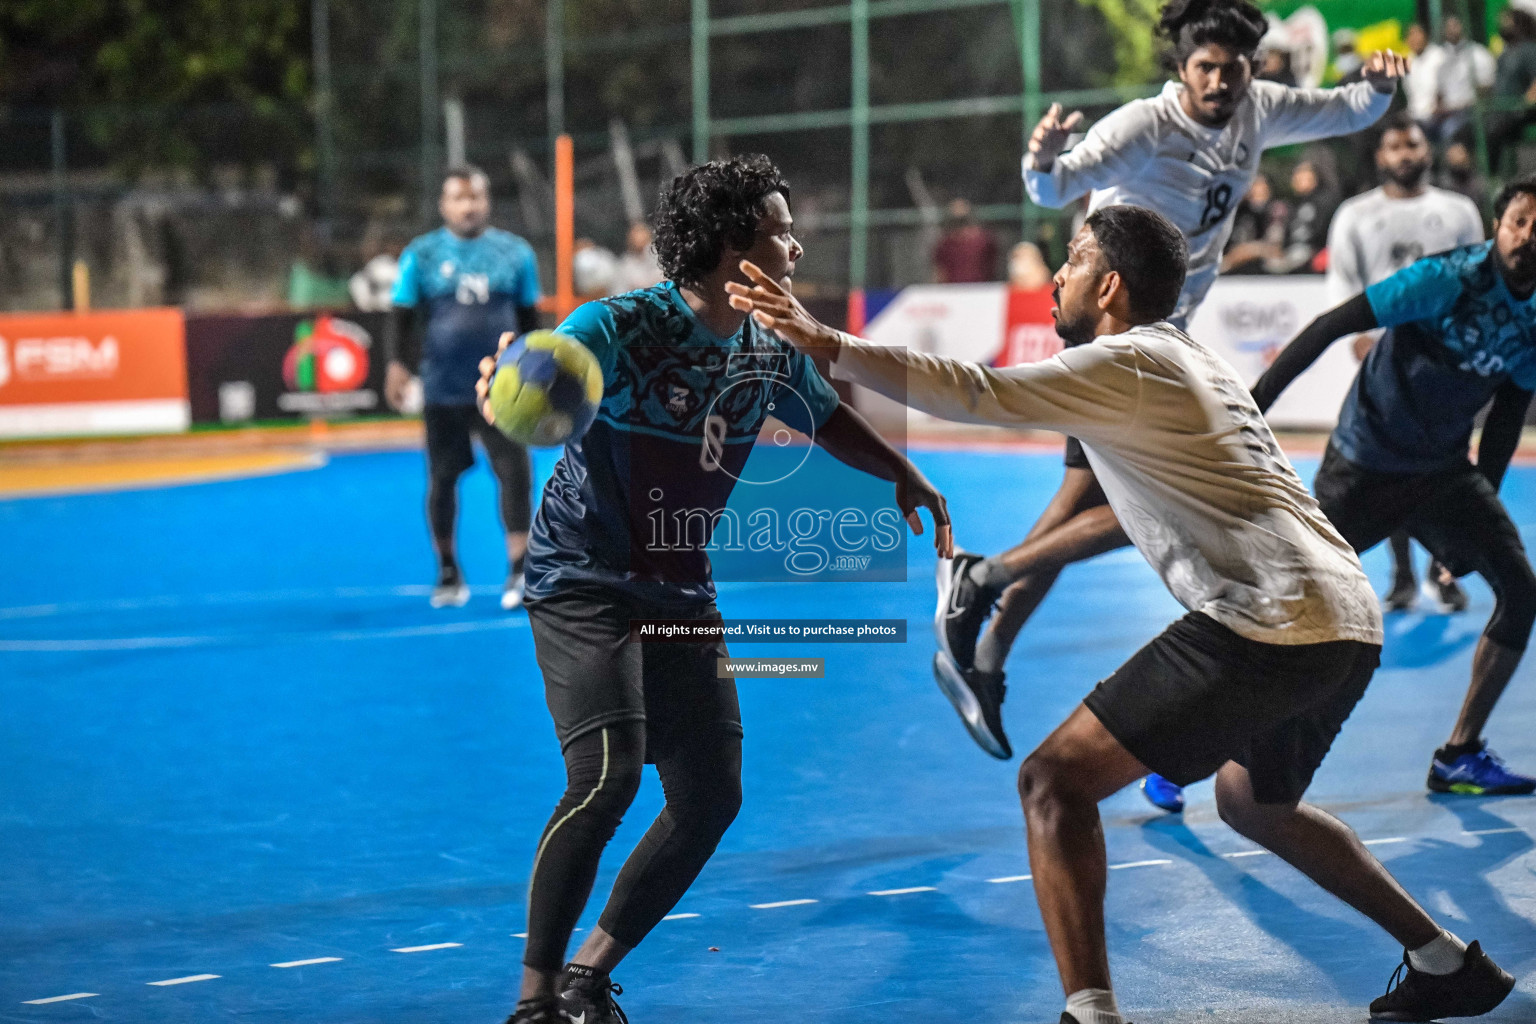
(1275, 66)
(593, 270)
(1315, 196)
(373, 285)
(638, 267)
(1348, 65)
(1466, 73)
(1422, 86)
(1258, 230)
(1459, 173)
(1514, 83)
(967, 252)
(1027, 271)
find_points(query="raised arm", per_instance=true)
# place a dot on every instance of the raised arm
(1302, 115)
(1353, 317)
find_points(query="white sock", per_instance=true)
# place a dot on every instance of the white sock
(1442, 955)
(1094, 1006)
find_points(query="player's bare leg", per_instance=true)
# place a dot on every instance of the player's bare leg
(1060, 786)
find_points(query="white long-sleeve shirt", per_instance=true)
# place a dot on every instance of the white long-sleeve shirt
(1151, 153)
(1186, 461)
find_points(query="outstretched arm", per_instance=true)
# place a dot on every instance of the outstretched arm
(1092, 389)
(1302, 115)
(1113, 151)
(1353, 317)
(850, 439)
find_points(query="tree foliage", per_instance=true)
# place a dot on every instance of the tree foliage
(1131, 25)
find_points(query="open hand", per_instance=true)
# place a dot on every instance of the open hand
(772, 307)
(913, 492)
(487, 371)
(1050, 136)
(1383, 69)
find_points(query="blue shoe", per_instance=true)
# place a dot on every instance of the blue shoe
(1480, 772)
(1162, 794)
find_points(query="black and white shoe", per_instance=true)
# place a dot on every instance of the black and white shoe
(978, 696)
(451, 591)
(587, 997)
(1448, 597)
(537, 1011)
(962, 609)
(1403, 595)
(1067, 1018)
(1478, 987)
(512, 593)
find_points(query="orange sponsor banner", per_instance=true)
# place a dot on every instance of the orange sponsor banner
(93, 373)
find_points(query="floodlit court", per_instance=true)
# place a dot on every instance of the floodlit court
(249, 774)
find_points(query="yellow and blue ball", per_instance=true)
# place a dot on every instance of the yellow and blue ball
(546, 389)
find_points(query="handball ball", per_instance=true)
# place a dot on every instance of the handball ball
(546, 389)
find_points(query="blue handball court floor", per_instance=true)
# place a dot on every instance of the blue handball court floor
(247, 774)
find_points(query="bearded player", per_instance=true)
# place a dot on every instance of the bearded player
(1189, 153)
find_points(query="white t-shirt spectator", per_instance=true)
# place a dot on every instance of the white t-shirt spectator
(1467, 68)
(1422, 86)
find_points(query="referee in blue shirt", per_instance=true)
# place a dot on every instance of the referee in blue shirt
(459, 288)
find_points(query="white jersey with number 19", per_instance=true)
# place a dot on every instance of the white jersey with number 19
(1151, 153)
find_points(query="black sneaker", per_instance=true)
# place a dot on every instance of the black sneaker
(451, 590)
(586, 997)
(1478, 987)
(537, 1011)
(963, 608)
(1067, 1018)
(1403, 595)
(978, 696)
(1447, 594)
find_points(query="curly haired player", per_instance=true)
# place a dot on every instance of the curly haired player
(618, 703)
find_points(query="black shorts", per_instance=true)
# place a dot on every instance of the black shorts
(449, 430)
(594, 675)
(1455, 513)
(1200, 695)
(1074, 457)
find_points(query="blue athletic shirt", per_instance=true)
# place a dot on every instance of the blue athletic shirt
(680, 412)
(472, 288)
(1456, 335)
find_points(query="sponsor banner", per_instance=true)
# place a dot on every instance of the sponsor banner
(1246, 320)
(285, 366)
(93, 373)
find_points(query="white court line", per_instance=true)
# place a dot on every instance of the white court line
(183, 981)
(1492, 831)
(1139, 864)
(519, 935)
(1246, 853)
(1010, 878)
(903, 892)
(427, 949)
(1384, 842)
(678, 917)
(59, 999)
(306, 963)
(782, 903)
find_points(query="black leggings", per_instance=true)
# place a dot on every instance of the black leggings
(449, 430)
(701, 777)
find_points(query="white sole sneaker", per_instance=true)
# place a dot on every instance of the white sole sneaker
(450, 597)
(512, 597)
